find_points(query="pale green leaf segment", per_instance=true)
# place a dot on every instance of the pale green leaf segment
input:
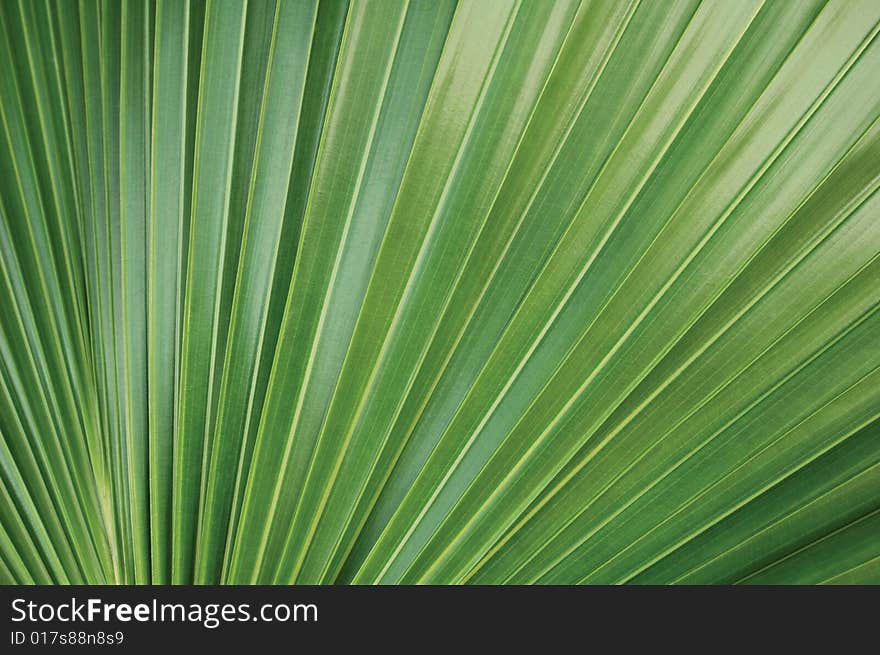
(465, 291)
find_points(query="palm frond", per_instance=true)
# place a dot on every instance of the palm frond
(463, 291)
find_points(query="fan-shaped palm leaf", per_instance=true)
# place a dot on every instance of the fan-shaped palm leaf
(402, 291)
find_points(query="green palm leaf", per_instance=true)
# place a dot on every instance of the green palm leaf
(439, 292)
